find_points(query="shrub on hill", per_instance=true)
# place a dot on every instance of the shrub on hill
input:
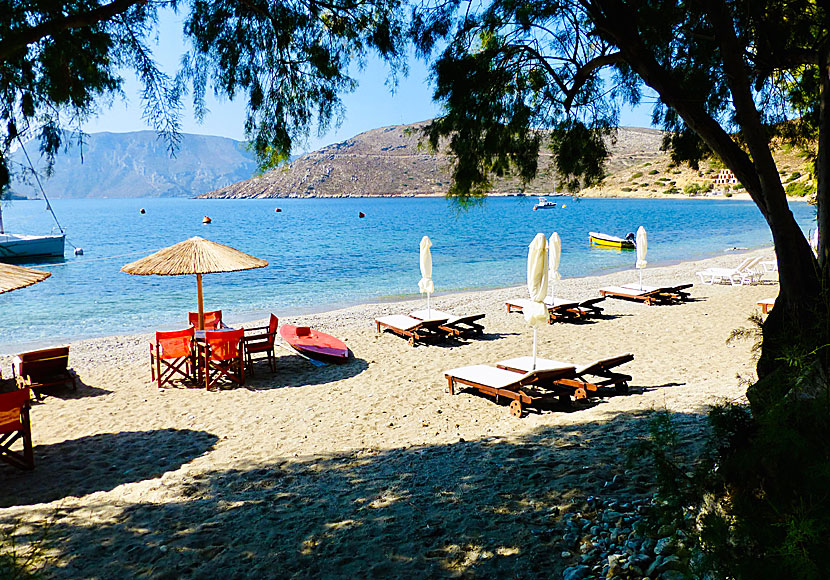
(800, 189)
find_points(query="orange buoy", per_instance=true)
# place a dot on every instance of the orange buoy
(564, 206)
(142, 210)
(361, 214)
(278, 210)
(206, 220)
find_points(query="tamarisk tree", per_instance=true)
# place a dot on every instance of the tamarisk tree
(727, 75)
(289, 58)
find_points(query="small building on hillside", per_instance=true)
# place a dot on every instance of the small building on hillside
(725, 177)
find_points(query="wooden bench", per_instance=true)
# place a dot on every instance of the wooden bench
(43, 368)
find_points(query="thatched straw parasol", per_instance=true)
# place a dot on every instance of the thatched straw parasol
(194, 256)
(16, 277)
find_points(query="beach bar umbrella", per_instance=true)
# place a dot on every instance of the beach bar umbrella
(194, 256)
(425, 285)
(536, 313)
(16, 277)
(641, 252)
(555, 254)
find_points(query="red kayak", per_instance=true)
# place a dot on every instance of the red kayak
(315, 344)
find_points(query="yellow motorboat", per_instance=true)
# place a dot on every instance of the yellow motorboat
(609, 241)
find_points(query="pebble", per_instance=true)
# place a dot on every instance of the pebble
(609, 539)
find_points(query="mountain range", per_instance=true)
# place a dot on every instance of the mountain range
(393, 161)
(139, 164)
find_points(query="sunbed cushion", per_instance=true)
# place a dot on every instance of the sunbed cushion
(432, 313)
(604, 363)
(642, 288)
(552, 302)
(524, 364)
(486, 375)
(626, 291)
(451, 319)
(400, 321)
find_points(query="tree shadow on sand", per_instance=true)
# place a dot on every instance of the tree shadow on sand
(100, 463)
(470, 509)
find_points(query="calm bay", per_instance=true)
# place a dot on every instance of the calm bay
(322, 255)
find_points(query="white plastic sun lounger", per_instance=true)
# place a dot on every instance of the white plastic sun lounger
(748, 272)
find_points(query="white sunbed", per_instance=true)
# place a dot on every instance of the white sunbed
(506, 383)
(457, 325)
(412, 328)
(601, 368)
(558, 308)
(747, 272)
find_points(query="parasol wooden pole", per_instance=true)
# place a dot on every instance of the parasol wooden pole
(201, 304)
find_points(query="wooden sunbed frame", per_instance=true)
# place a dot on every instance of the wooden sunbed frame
(465, 325)
(579, 384)
(517, 391)
(43, 368)
(588, 308)
(418, 331)
(653, 295)
(567, 310)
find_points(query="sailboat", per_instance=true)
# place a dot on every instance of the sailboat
(25, 247)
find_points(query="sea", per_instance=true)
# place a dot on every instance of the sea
(323, 255)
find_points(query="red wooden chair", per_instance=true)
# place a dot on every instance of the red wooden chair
(224, 356)
(213, 320)
(261, 339)
(172, 356)
(14, 425)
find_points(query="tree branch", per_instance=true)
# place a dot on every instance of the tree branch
(584, 73)
(18, 41)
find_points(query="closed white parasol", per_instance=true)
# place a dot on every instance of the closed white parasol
(555, 254)
(536, 312)
(425, 285)
(642, 245)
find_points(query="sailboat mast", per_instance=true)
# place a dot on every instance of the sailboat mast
(40, 186)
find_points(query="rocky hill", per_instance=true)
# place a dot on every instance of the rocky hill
(392, 161)
(138, 164)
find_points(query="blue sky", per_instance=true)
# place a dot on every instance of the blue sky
(373, 104)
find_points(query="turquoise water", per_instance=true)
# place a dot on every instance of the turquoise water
(321, 255)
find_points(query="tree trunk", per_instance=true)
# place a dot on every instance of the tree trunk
(796, 326)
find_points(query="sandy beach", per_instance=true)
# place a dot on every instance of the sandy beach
(369, 469)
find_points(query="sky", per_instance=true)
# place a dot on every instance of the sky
(372, 105)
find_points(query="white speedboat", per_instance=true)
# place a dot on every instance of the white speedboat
(544, 204)
(22, 247)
